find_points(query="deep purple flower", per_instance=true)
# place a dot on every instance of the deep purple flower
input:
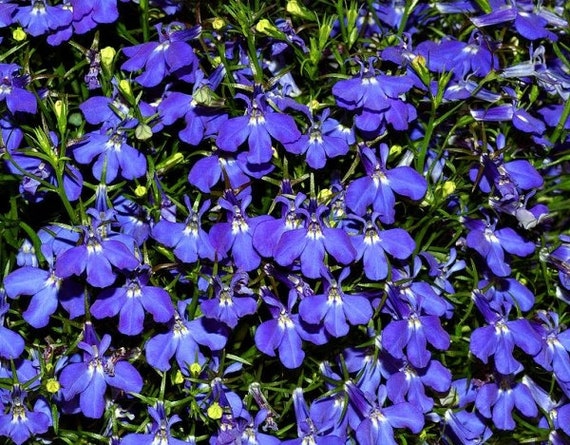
(89, 378)
(258, 127)
(188, 240)
(170, 55)
(12, 89)
(21, 423)
(310, 243)
(335, 309)
(377, 188)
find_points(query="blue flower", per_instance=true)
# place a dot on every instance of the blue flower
(170, 55)
(89, 378)
(11, 343)
(21, 423)
(335, 309)
(310, 243)
(159, 430)
(12, 89)
(554, 353)
(258, 126)
(377, 188)
(132, 300)
(41, 17)
(465, 428)
(183, 340)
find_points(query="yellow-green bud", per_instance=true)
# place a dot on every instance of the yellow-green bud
(447, 188)
(143, 132)
(140, 191)
(178, 378)
(325, 196)
(18, 34)
(215, 411)
(172, 161)
(294, 8)
(52, 386)
(218, 23)
(264, 26)
(107, 56)
(195, 368)
(395, 150)
(125, 87)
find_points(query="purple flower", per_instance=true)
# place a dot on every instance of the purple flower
(21, 423)
(500, 336)
(560, 259)
(170, 55)
(159, 431)
(41, 17)
(230, 303)
(12, 89)
(111, 152)
(310, 243)
(377, 100)
(442, 271)
(374, 245)
(258, 126)
(325, 138)
(89, 378)
(492, 243)
(554, 353)
(335, 309)
(377, 188)
(208, 171)
(132, 300)
(46, 289)
(100, 250)
(285, 333)
(237, 234)
(183, 340)
(465, 428)
(11, 343)
(497, 400)
(189, 241)
(374, 424)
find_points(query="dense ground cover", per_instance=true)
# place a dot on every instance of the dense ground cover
(255, 222)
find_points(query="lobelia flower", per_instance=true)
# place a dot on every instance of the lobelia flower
(465, 428)
(208, 171)
(499, 337)
(89, 378)
(285, 332)
(325, 138)
(502, 292)
(132, 301)
(132, 219)
(374, 245)
(11, 343)
(189, 241)
(335, 309)
(376, 98)
(230, 303)
(170, 55)
(12, 89)
(258, 127)
(159, 431)
(310, 243)
(111, 152)
(183, 340)
(100, 250)
(554, 353)
(442, 271)
(40, 17)
(307, 430)
(497, 400)
(21, 423)
(408, 384)
(560, 259)
(237, 234)
(374, 423)
(27, 255)
(377, 188)
(492, 243)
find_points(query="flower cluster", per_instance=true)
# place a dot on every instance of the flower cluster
(268, 224)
